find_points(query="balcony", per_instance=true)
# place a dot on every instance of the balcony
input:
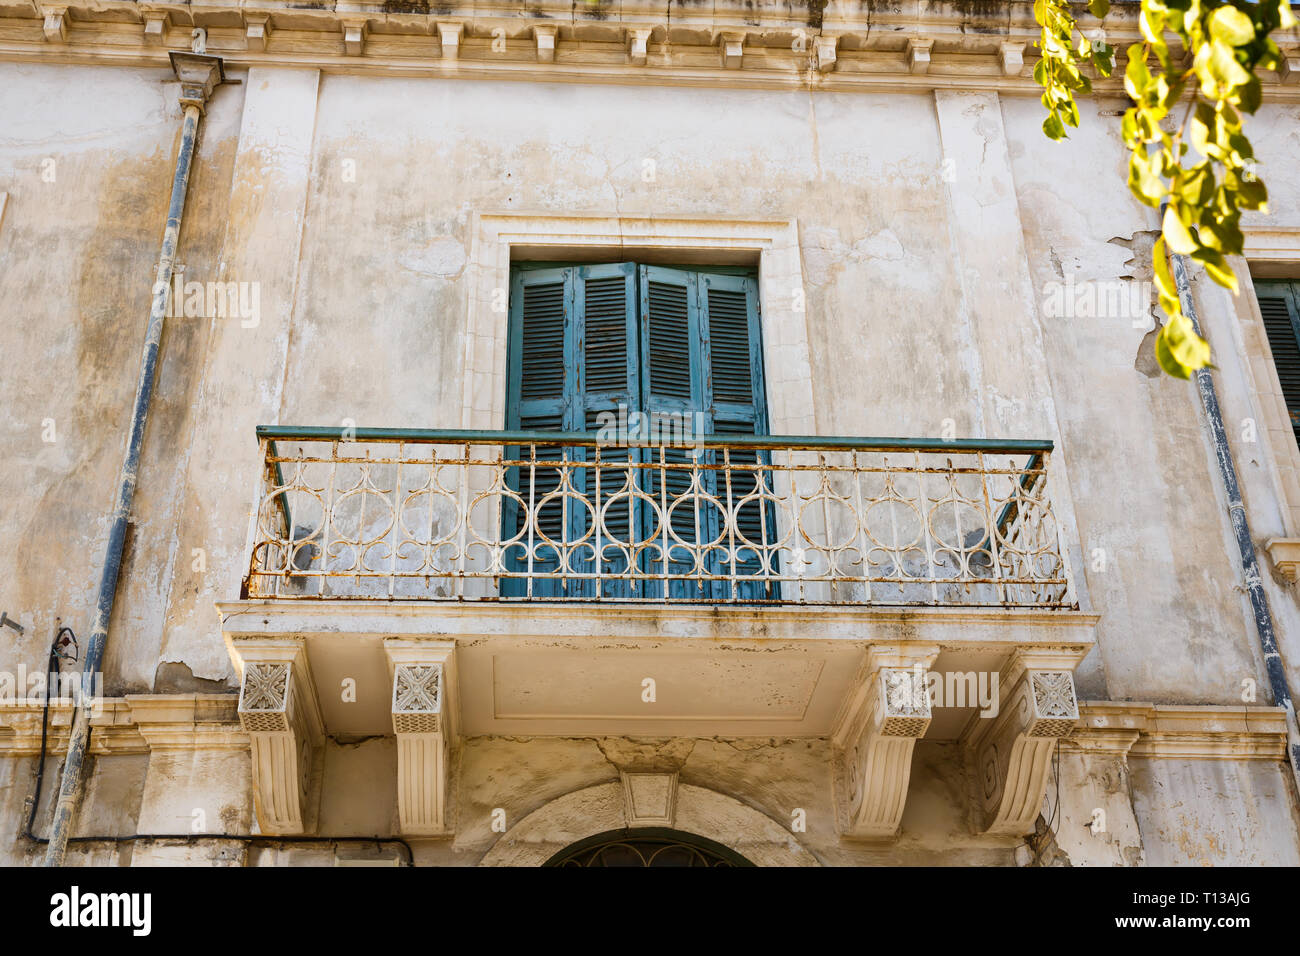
(437, 585)
(395, 514)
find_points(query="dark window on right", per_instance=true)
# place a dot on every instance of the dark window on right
(1279, 304)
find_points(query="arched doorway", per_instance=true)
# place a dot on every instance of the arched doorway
(646, 847)
(705, 817)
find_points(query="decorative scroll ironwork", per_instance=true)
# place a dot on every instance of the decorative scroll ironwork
(538, 516)
(650, 847)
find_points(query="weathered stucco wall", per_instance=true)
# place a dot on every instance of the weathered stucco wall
(1214, 812)
(930, 228)
(77, 262)
(351, 204)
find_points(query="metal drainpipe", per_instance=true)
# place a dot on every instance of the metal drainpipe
(198, 76)
(1241, 529)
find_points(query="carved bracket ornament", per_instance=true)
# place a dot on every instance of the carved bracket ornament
(421, 720)
(278, 710)
(1013, 754)
(874, 739)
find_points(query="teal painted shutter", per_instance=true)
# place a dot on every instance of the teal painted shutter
(1279, 305)
(735, 404)
(693, 358)
(672, 389)
(608, 383)
(542, 397)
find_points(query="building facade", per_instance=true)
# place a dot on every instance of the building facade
(617, 433)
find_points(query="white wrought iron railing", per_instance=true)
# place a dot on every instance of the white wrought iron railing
(461, 515)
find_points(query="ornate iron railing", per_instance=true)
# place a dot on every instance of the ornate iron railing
(462, 515)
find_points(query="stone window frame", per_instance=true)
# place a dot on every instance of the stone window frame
(495, 237)
(1269, 253)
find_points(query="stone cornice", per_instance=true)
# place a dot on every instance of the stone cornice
(1180, 731)
(135, 724)
(849, 45)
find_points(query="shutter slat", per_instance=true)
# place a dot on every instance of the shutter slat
(670, 341)
(605, 333)
(733, 379)
(542, 353)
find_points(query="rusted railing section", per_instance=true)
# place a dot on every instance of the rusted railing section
(544, 516)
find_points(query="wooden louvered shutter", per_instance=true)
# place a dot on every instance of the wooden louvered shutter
(608, 382)
(542, 397)
(1279, 305)
(672, 390)
(735, 404)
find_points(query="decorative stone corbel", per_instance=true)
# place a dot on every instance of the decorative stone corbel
(56, 23)
(423, 675)
(156, 23)
(1012, 57)
(1013, 749)
(257, 30)
(650, 799)
(824, 53)
(355, 32)
(1285, 554)
(874, 735)
(449, 37)
(281, 715)
(732, 45)
(1288, 67)
(545, 43)
(638, 41)
(918, 55)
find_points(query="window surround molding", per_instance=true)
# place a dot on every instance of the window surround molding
(1273, 252)
(773, 242)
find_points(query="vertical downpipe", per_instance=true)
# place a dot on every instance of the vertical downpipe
(198, 76)
(1241, 530)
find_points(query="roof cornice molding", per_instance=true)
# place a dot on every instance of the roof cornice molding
(910, 45)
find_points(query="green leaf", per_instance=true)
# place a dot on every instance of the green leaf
(1203, 130)
(1179, 350)
(1229, 25)
(1249, 94)
(1152, 24)
(1164, 277)
(1197, 185)
(1178, 236)
(1103, 60)
(1136, 74)
(1143, 182)
(1166, 360)
(1217, 266)
(1223, 65)
(1098, 8)
(1053, 128)
(1287, 19)
(1251, 194)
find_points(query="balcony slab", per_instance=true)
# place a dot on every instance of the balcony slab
(680, 670)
